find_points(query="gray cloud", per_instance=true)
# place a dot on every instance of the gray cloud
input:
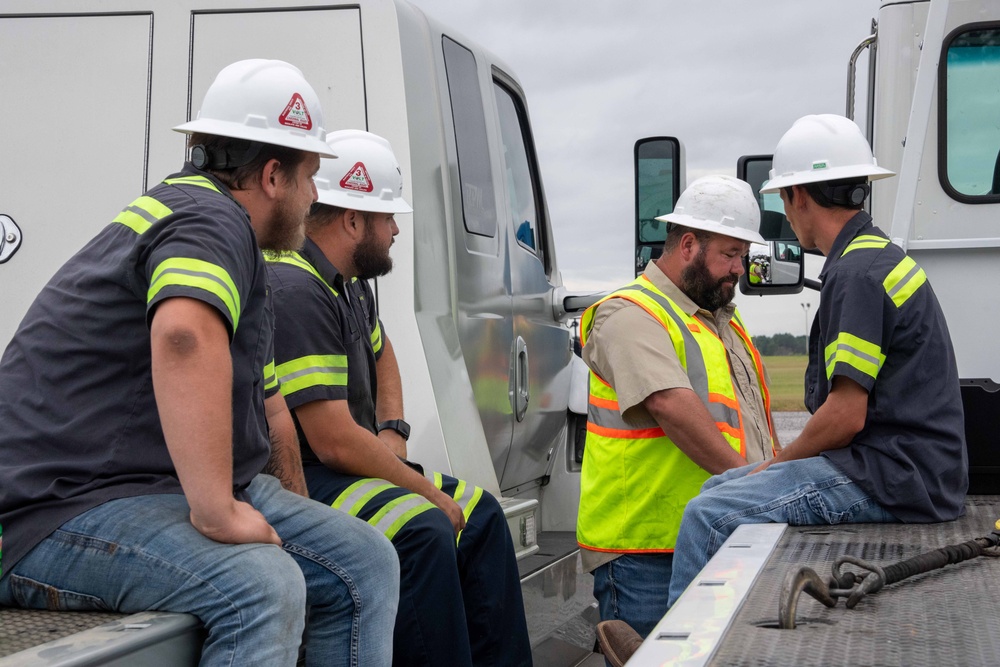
(727, 77)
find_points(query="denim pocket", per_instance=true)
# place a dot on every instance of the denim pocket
(841, 502)
(33, 594)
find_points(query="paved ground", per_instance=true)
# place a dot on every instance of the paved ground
(789, 424)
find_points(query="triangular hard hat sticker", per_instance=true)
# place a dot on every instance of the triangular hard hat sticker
(357, 179)
(295, 114)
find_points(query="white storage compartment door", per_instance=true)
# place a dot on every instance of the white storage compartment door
(324, 43)
(73, 139)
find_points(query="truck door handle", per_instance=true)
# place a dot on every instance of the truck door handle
(521, 395)
(10, 238)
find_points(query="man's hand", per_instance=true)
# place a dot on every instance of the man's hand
(239, 523)
(446, 504)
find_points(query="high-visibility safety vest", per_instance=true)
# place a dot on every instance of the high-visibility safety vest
(635, 482)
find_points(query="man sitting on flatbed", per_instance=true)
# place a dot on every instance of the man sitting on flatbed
(886, 440)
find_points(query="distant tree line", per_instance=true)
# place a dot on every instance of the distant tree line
(782, 344)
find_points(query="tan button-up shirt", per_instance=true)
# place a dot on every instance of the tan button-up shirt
(632, 352)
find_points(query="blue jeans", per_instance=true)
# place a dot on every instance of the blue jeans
(805, 492)
(142, 553)
(633, 588)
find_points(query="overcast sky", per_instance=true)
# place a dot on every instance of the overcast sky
(727, 77)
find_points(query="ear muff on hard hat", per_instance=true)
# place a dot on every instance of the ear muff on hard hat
(263, 101)
(366, 177)
(719, 204)
(822, 148)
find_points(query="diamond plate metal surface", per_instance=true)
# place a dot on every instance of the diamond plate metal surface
(22, 629)
(947, 617)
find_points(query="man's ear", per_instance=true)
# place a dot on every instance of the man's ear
(353, 223)
(271, 179)
(688, 246)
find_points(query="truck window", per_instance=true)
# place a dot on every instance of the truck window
(475, 174)
(520, 177)
(970, 85)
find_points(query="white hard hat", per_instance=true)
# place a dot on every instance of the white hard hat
(719, 204)
(365, 178)
(825, 147)
(268, 101)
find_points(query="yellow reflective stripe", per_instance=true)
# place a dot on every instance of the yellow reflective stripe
(197, 273)
(142, 213)
(357, 495)
(329, 370)
(297, 260)
(855, 352)
(395, 513)
(865, 241)
(438, 480)
(903, 281)
(466, 502)
(270, 378)
(200, 181)
(377, 338)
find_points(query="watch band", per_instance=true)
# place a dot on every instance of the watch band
(397, 425)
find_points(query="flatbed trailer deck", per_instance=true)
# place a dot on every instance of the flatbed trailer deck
(729, 614)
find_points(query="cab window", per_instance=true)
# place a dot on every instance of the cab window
(520, 175)
(970, 96)
(475, 173)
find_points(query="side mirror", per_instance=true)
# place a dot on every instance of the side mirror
(659, 167)
(777, 267)
(774, 268)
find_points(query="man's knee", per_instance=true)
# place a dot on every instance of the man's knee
(427, 533)
(269, 577)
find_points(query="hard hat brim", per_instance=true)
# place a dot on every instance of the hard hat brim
(287, 139)
(873, 173)
(360, 202)
(714, 227)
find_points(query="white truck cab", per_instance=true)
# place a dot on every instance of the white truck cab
(475, 306)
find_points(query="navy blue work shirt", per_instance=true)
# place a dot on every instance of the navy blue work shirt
(880, 324)
(79, 419)
(328, 337)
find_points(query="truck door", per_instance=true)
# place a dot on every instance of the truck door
(83, 160)
(540, 350)
(324, 43)
(482, 283)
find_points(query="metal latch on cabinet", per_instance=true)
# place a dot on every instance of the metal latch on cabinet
(10, 237)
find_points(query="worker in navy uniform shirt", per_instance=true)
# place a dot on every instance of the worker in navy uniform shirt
(460, 595)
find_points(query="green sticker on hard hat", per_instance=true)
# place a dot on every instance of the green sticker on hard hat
(819, 165)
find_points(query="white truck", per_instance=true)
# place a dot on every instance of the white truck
(475, 306)
(933, 116)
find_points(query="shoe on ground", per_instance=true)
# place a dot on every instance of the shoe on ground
(618, 641)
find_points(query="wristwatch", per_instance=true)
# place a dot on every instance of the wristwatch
(397, 425)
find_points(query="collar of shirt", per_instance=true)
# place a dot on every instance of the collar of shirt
(718, 319)
(326, 269)
(859, 223)
(190, 170)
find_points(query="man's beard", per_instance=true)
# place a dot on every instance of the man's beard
(370, 260)
(708, 293)
(287, 230)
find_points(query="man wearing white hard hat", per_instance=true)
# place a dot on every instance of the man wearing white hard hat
(460, 601)
(139, 404)
(886, 440)
(667, 408)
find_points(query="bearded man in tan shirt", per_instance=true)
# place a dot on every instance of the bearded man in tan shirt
(677, 393)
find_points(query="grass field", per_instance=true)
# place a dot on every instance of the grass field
(787, 382)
